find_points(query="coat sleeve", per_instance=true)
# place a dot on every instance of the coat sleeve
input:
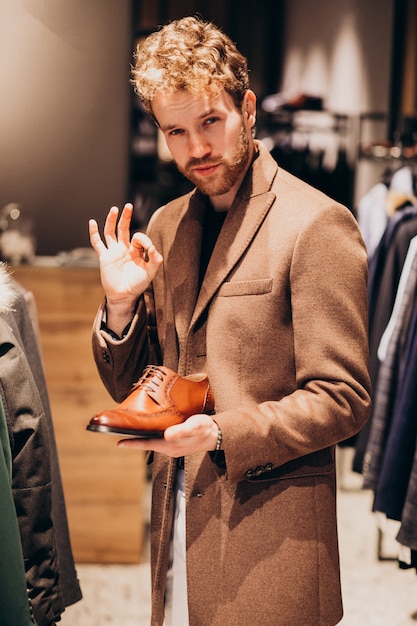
(121, 361)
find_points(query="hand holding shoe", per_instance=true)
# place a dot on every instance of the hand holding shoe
(161, 398)
(197, 434)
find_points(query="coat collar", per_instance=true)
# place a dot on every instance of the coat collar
(251, 205)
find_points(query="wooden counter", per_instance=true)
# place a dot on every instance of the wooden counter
(103, 485)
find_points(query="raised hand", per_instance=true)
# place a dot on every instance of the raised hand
(127, 265)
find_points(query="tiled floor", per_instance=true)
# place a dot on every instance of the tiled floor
(376, 593)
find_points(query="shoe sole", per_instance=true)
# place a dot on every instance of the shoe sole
(139, 434)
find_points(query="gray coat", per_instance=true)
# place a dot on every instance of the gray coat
(36, 482)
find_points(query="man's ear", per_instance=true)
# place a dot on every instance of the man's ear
(249, 108)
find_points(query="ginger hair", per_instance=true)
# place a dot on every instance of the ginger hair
(188, 54)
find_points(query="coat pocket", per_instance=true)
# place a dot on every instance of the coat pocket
(246, 287)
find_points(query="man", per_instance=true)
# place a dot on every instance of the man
(258, 280)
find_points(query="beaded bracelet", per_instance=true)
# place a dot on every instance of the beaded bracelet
(219, 440)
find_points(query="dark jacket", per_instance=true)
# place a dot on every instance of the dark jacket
(36, 484)
(14, 603)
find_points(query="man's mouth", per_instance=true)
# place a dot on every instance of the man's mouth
(206, 170)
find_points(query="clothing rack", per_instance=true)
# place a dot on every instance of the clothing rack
(401, 149)
(386, 450)
(318, 146)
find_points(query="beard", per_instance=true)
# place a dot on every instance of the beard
(232, 167)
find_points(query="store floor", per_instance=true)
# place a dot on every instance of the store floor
(376, 592)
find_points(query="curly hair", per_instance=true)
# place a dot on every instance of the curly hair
(188, 54)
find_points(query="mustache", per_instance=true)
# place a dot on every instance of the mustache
(202, 162)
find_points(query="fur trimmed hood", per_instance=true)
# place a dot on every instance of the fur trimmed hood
(7, 290)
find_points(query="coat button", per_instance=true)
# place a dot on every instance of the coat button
(106, 356)
(268, 467)
(249, 473)
(259, 471)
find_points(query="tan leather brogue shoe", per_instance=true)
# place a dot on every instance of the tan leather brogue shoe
(159, 399)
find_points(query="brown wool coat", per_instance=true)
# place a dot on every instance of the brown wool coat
(280, 326)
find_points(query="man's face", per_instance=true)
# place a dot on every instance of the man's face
(209, 138)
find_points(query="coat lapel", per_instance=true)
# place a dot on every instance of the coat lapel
(247, 213)
(183, 262)
(238, 230)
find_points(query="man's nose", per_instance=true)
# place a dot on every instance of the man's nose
(198, 146)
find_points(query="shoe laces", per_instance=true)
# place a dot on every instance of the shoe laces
(151, 377)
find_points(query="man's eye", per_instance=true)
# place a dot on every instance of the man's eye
(175, 131)
(211, 120)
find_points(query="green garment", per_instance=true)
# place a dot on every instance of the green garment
(14, 603)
